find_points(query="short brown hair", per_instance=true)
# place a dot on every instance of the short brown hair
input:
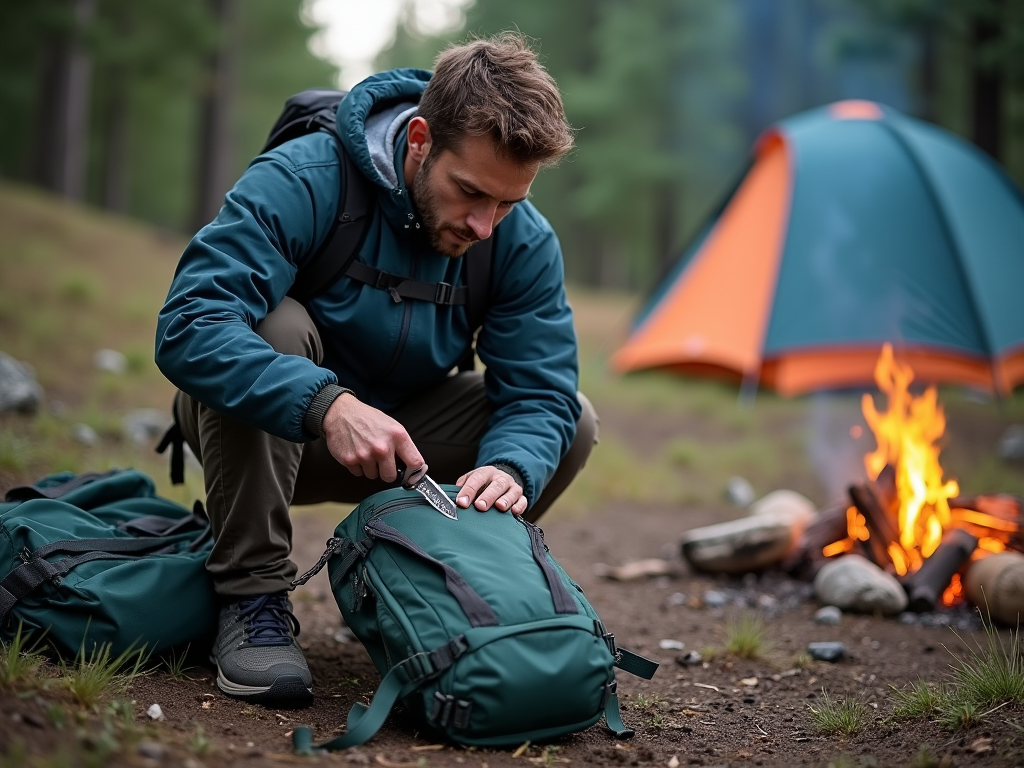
(496, 87)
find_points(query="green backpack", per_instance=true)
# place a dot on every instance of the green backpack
(472, 624)
(100, 558)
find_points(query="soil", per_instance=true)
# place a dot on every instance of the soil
(709, 714)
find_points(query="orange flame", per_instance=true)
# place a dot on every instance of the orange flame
(907, 433)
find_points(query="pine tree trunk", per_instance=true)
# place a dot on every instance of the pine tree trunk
(115, 145)
(987, 104)
(215, 145)
(63, 116)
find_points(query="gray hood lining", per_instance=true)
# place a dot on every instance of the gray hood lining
(382, 129)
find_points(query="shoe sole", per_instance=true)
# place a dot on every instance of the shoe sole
(287, 691)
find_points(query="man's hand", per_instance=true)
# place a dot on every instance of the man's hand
(366, 441)
(489, 486)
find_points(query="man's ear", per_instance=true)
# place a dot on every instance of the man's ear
(418, 139)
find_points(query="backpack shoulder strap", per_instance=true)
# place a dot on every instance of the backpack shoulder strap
(478, 286)
(345, 238)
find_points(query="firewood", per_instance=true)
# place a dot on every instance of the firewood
(874, 502)
(828, 528)
(926, 585)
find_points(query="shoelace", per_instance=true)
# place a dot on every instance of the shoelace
(268, 620)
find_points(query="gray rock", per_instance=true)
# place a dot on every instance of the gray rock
(110, 360)
(152, 750)
(671, 645)
(828, 650)
(740, 546)
(85, 434)
(829, 615)
(1011, 444)
(19, 390)
(853, 583)
(739, 491)
(715, 599)
(144, 425)
(689, 659)
(907, 618)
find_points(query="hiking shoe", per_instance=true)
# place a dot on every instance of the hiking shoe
(256, 654)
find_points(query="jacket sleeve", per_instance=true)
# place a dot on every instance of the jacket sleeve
(528, 346)
(231, 275)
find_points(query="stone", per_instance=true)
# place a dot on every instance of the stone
(85, 434)
(689, 659)
(784, 503)
(996, 585)
(110, 361)
(829, 616)
(145, 425)
(715, 599)
(671, 645)
(155, 712)
(1011, 444)
(739, 491)
(827, 650)
(19, 390)
(853, 583)
(152, 750)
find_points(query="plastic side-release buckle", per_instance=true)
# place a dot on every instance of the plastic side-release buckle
(443, 294)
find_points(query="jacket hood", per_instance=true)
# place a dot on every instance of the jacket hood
(370, 118)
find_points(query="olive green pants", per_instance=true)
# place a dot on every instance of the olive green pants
(253, 477)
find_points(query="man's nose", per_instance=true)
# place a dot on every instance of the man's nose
(481, 220)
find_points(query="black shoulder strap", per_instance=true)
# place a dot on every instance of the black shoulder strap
(478, 288)
(346, 236)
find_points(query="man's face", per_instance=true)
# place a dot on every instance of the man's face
(463, 193)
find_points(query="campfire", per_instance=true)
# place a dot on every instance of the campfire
(908, 518)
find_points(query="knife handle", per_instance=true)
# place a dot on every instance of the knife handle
(409, 479)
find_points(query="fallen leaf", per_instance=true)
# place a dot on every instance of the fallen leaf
(673, 762)
(704, 685)
(638, 569)
(428, 748)
(750, 682)
(980, 745)
(207, 705)
(381, 760)
(691, 713)
(522, 749)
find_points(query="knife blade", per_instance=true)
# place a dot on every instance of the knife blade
(418, 480)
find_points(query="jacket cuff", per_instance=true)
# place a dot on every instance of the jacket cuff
(313, 420)
(509, 469)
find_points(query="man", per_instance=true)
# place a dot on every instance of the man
(298, 404)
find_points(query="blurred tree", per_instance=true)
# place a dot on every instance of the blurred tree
(63, 111)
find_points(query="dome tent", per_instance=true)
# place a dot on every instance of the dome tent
(855, 225)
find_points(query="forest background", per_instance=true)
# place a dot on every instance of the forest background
(152, 108)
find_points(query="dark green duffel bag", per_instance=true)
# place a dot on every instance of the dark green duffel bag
(100, 559)
(472, 624)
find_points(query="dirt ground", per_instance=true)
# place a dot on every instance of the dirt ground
(697, 715)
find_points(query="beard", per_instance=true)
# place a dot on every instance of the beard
(425, 200)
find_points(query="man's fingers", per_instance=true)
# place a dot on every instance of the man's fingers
(499, 483)
(520, 506)
(470, 486)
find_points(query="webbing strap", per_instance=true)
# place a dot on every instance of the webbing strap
(559, 594)
(613, 718)
(635, 664)
(26, 577)
(174, 439)
(400, 287)
(120, 545)
(401, 680)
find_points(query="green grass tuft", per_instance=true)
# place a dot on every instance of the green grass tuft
(957, 714)
(916, 701)
(840, 717)
(992, 673)
(99, 675)
(747, 637)
(20, 661)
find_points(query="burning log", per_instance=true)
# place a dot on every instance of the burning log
(828, 528)
(926, 585)
(877, 502)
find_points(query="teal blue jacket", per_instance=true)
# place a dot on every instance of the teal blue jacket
(238, 268)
